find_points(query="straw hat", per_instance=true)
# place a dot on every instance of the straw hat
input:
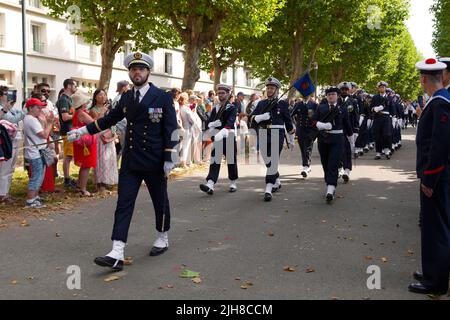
(79, 99)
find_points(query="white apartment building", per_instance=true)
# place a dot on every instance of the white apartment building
(55, 54)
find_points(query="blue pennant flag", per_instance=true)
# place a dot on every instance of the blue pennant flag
(305, 85)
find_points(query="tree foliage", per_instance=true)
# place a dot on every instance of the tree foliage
(441, 34)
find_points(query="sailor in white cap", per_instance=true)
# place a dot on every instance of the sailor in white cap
(433, 169)
(272, 118)
(148, 155)
(382, 123)
(221, 126)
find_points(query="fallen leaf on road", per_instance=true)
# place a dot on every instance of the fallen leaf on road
(3, 225)
(248, 283)
(196, 280)
(309, 270)
(30, 278)
(324, 221)
(365, 225)
(128, 261)
(334, 298)
(410, 252)
(368, 258)
(57, 235)
(192, 230)
(111, 278)
(286, 211)
(170, 286)
(289, 269)
(189, 274)
(14, 282)
(384, 259)
(24, 223)
(245, 286)
(237, 278)
(270, 234)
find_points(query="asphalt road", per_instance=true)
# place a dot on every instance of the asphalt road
(233, 239)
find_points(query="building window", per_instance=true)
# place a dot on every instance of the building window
(36, 37)
(248, 79)
(223, 78)
(168, 63)
(35, 3)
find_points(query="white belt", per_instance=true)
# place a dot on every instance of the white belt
(385, 112)
(336, 131)
(275, 126)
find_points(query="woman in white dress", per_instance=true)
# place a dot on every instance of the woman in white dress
(106, 173)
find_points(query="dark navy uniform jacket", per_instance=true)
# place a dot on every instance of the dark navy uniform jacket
(353, 111)
(279, 115)
(433, 140)
(228, 116)
(379, 100)
(150, 138)
(303, 112)
(340, 122)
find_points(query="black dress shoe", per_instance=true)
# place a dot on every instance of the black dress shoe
(267, 197)
(206, 189)
(157, 251)
(115, 264)
(418, 275)
(330, 197)
(232, 190)
(304, 174)
(423, 289)
(346, 178)
(377, 157)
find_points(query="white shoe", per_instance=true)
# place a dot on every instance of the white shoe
(162, 241)
(276, 186)
(346, 175)
(305, 172)
(331, 190)
(341, 172)
(233, 186)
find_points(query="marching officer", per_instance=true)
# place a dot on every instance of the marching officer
(362, 141)
(148, 155)
(346, 100)
(332, 120)
(433, 169)
(221, 124)
(382, 123)
(302, 113)
(271, 117)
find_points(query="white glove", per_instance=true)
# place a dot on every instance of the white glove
(215, 124)
(292, 141)
(324, 126)
(76, 134)
(221, 134)
(361, 120)
(400, 123)
(369, 123)
(262, 117)
(168, 166)
(378, 109)
(394, 122)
